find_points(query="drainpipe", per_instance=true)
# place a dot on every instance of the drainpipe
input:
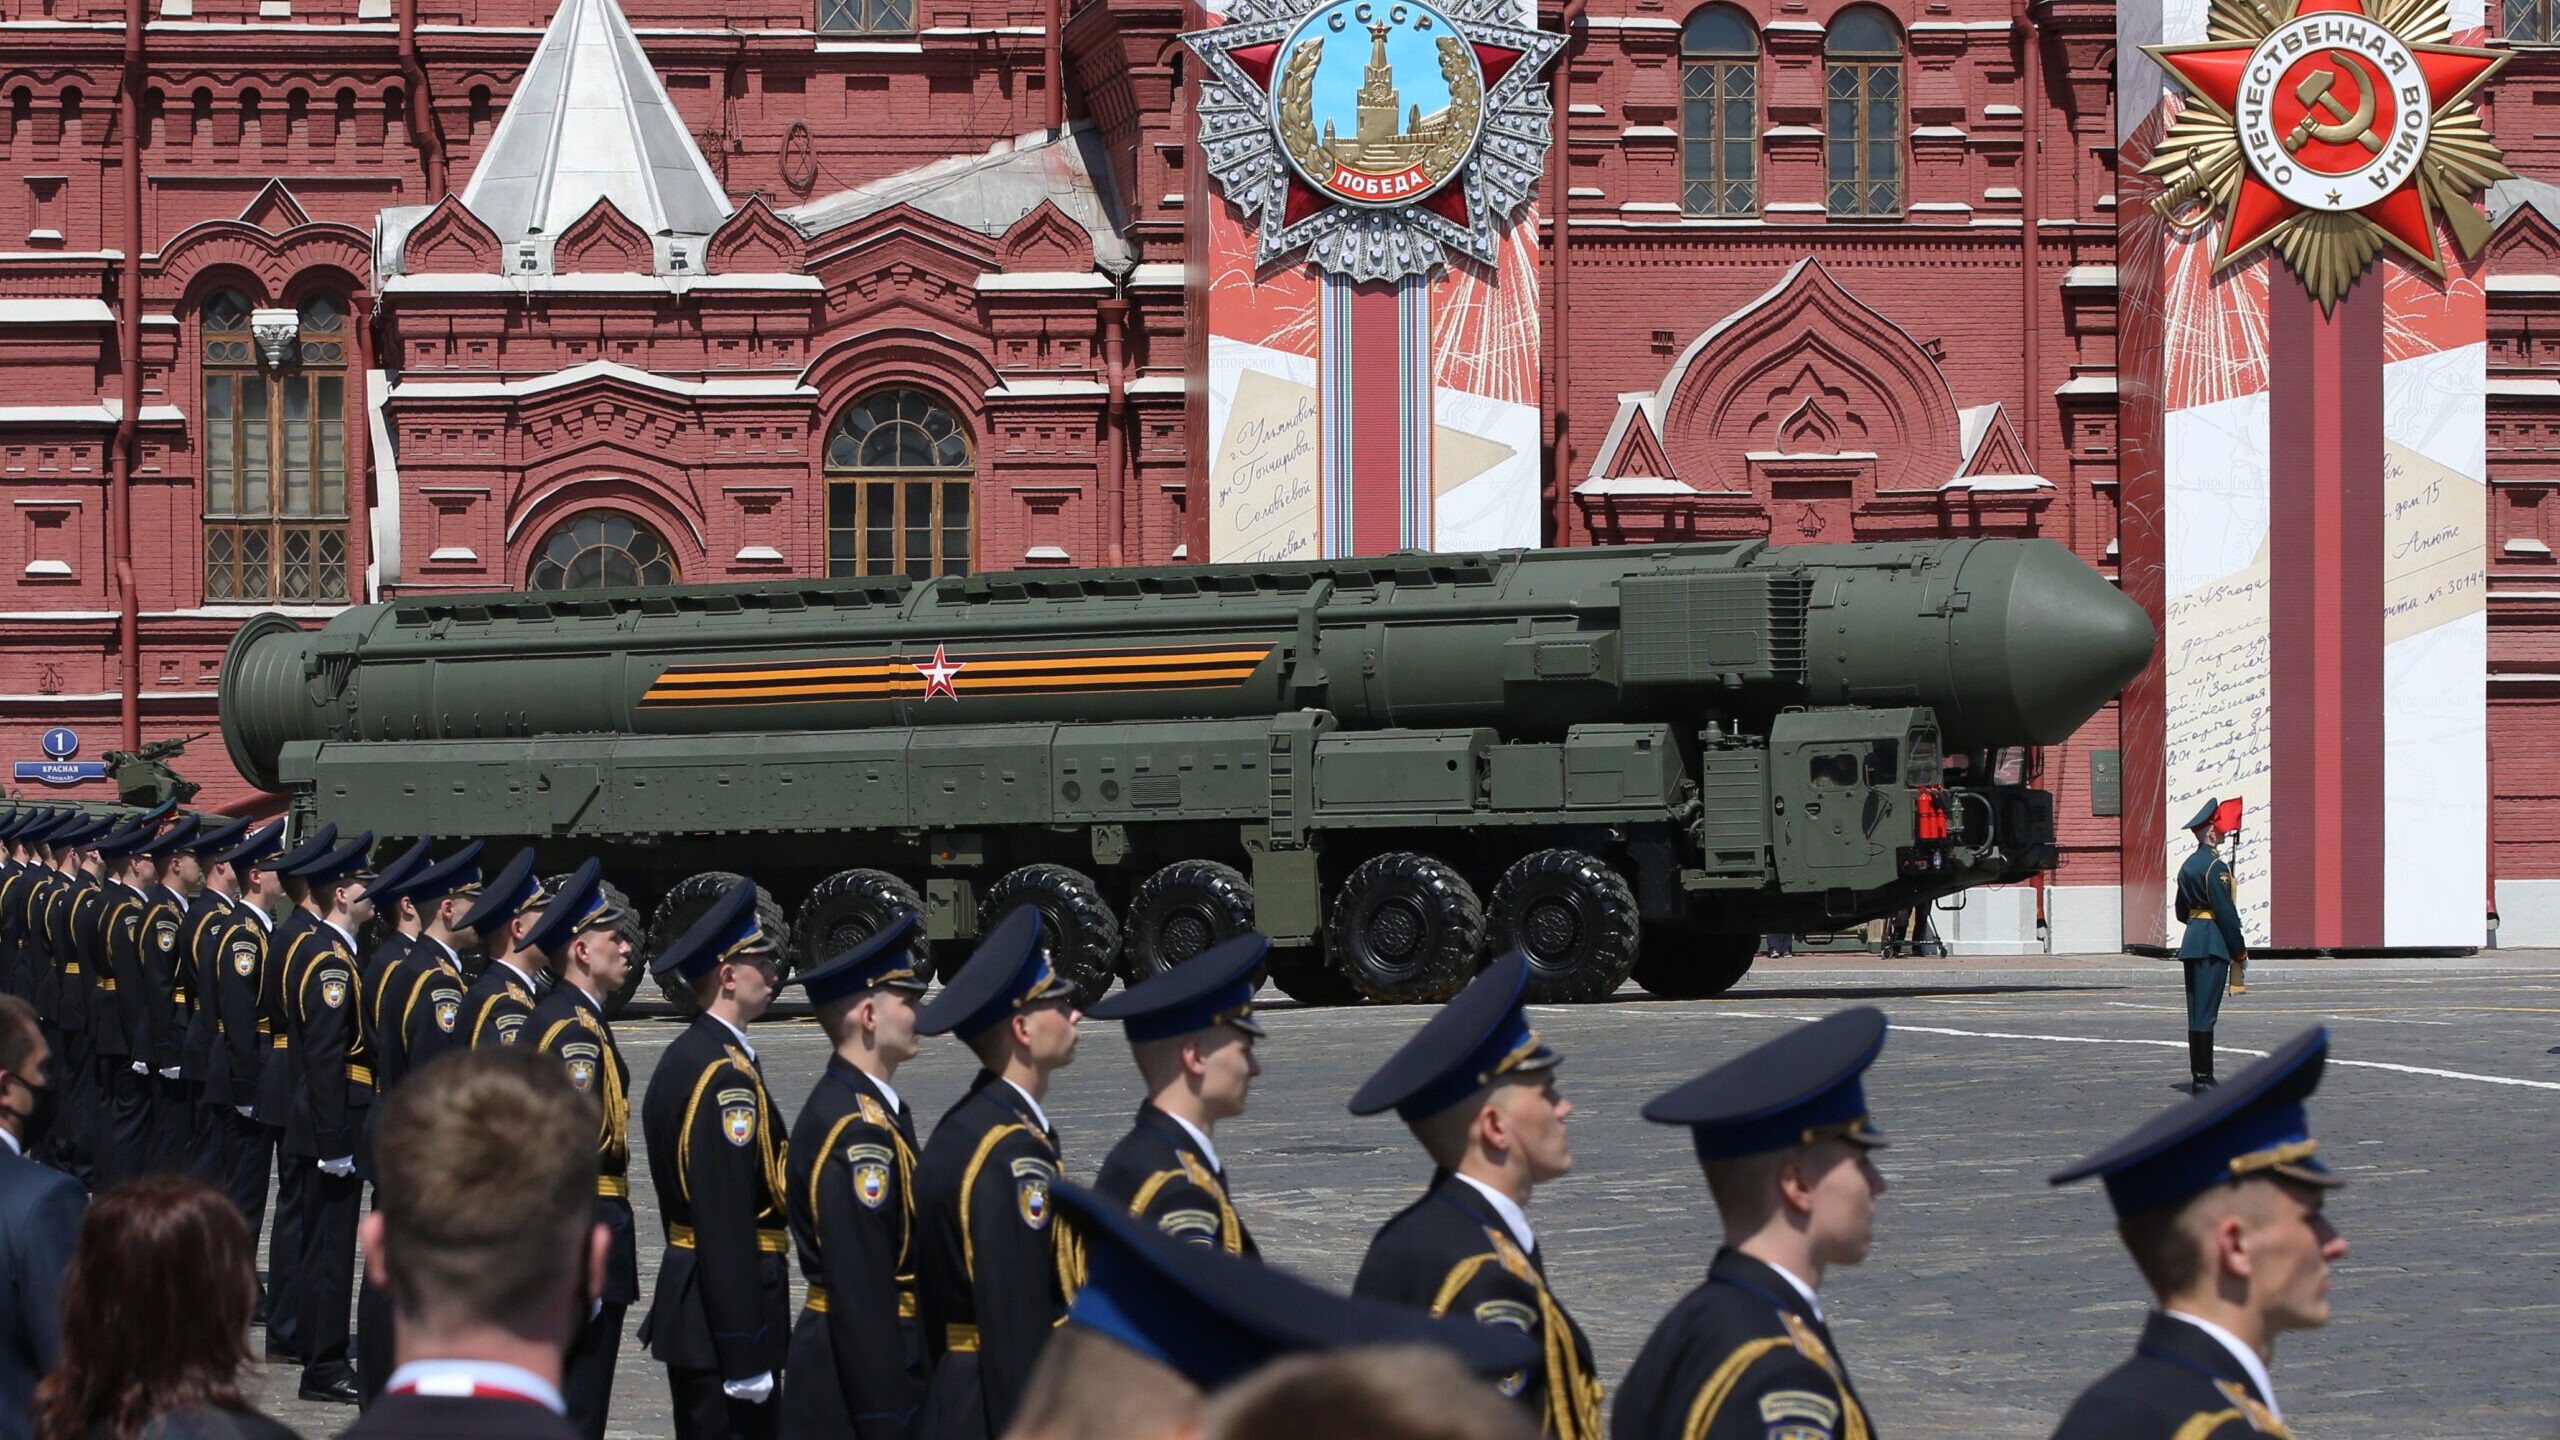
(1053, 49)
(124, 444)
(422, 120)
(2030, 197)
(1562, 366)
(2491, 778)
(1115, 428)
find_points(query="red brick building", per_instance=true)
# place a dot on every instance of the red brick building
(473, 294)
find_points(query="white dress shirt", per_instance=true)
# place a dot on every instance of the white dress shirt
(1036, 1112)
(1515, 1219)
(467, 1377)
(1200, 1138)
(2255, 1368)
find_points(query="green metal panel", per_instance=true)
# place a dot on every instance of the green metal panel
(1527, 777)
(1746, 627)
(998, 775)
(1138, 772)
(1620, 766)
(1733, 826)
(1402, 773)
(1838, 808)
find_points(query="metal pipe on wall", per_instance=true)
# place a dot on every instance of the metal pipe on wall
(1053, 47)
(1115, 429)
(1561, 369)
(421, 116)
(126, 441)
(2030, 242)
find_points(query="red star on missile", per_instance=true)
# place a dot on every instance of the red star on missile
(937, 674)
(2214, 73)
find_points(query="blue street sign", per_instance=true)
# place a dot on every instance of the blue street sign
(62, 742)
(62, 772)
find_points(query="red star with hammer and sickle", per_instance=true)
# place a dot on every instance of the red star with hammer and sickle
(937, 674)
(2215, 72)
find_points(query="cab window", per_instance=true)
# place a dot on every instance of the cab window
(1884, 762)
(1836, 771)
(1927, 767)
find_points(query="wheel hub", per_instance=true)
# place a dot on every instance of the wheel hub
(1186, 933)
(1396, 929)
(1551, 930)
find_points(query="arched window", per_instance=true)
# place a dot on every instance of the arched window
(2529, 22)
(1719, 113)
(867, 17)
(899, 476)
(1862, 94)
(600, 550)
(275, 450)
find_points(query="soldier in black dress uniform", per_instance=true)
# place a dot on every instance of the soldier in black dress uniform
(86, 1010)
(279, 1086)
(325, 1019)
(1477, 1088)
(107, 924)
(413, 1004)
(587, 940)
(236, 958)
(853, 1200)
(396, 926)
(208, 1150)
(495, 1009)
(993, 1274)
(1783, 1134)
(1193, 1033)
(167, 904)
(2220, 1200)
(720, 1319)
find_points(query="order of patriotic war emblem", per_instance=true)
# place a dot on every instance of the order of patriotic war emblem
(2328, 130)
(1375, 137)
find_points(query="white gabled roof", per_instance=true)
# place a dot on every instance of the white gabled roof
(591, 119)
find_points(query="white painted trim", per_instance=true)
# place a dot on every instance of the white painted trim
(991, 281)
(775, 387)
(1157, 275)
(2087, 385)
(601, 284)
(68, 502)
(388, 502)
(48, 567)
(1158, 385)
(2089, 277)
(1046, 552)
(56, 312)
(758, 555)
(2526, 545)
(863, 47)
(2524, 284)
(455, 553)
(2524, 387)
(1017, 389)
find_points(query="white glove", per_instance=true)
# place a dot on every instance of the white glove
(339, 1168)
(247, 1112)
(754, 1392)
(141, 1068)
(169, 1074)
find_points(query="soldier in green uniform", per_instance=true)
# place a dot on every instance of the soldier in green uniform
(586, 937)
(2212, 945)
(1193, 1033)
(1783, 1135)
(720, 1318)
(1477, 1088)
(853, 1200)
(497, 1006)
(2221, 1201)
(993, 1273)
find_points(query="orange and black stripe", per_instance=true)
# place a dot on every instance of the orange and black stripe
(979, 673)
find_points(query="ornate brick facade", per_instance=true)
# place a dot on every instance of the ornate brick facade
(1818, 289)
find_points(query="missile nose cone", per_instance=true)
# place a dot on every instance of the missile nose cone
(2074, 641)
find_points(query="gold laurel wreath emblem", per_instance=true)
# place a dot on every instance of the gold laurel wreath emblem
(2200, 159)
(1439, 160)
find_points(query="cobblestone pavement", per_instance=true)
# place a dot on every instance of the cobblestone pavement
(1991, 1298)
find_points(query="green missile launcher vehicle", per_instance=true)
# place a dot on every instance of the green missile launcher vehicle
(1623, 761)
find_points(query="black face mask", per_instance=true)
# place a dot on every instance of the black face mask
(36, 1127)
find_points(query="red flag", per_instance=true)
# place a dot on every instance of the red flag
(2226, 816)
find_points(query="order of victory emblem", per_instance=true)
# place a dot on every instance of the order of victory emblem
(2330, 132)
(1376, 136)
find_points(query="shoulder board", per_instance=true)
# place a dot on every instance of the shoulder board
(1509, 1253)
(587, 1019)
(874, 1113)
(2260, 1418)
(1197, 1170)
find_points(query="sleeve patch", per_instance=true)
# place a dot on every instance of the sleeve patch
(244, 957)
(333, 987)
(1507, 1312)
(738, 1120)
(866, 1153)
(1792, 1413)
(1196, 1225)
(1032, 1167)
(1032, 1196)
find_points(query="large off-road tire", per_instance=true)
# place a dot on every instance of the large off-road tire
(614, 1002)
(1574, 917)
(1308, 977)
(1179, 911)
(1683, 962)
(685, 902)
(1084, 936)
(850, 907)
(1406, 929)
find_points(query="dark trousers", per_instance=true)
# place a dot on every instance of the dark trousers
(248, 1154)
(587, 1383)
(2207, 979)
(75, 1137)
(374, 1353)
(208, 1139)
(704, 1411)
(173, 1125)
(125, 1148)
(286, 1333)
(328, 1271)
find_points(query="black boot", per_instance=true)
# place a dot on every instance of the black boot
(2200, 1059)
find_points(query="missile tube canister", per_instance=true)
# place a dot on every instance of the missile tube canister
(2010, 641)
